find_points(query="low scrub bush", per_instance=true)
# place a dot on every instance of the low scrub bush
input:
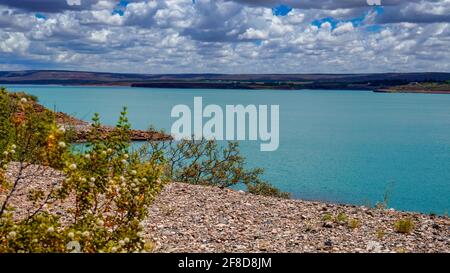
(205, 162)
(404, 226)
(101, 200)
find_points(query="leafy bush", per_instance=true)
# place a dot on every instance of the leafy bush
(204, 162)
(342, 217)
(5, 119)
(380, 234)
(404, 226)
(354, 223)
(99, 204)
(35, 135)
(23, 95)
(327, 217)
(386, 197)
(266, 189)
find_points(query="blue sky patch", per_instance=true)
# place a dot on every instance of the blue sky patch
(333, 22)
(120, 8)
(357, 21)
(281, 10)
(40, 16)
(379, 9)
(123, 3)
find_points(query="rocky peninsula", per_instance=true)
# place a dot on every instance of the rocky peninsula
(81, 128)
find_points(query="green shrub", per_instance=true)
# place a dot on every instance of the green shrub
(380, 234)
(33, 132)
(386, 197)
(5, 119)
(204, 162)
(105, 192)
(327, 217)
(354, 223)
(404, 226)
(21, 95)
(342, 217)
(265, 189)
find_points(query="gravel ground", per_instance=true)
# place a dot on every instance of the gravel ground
(190, 218)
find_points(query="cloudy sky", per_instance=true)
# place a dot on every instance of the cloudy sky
(225, 36)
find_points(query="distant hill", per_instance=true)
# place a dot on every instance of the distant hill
(223, 81)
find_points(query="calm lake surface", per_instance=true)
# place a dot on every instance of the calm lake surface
(338, 146)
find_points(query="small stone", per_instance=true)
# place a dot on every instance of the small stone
(328, 243)
(369, 212)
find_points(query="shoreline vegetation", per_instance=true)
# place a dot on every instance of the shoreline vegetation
(438, 83)
(81, 128)
(168, 198)
(425, 88)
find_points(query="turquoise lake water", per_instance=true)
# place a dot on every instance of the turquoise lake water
(339, 146)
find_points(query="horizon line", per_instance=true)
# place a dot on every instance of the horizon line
(217, 73)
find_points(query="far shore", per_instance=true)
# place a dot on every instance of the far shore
(414, 82)
(419, 91)
(220, 87)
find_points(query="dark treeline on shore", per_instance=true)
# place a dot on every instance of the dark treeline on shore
(379, 81)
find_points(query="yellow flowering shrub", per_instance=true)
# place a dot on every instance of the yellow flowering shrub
(101, 200)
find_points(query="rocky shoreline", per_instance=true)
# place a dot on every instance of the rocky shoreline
(191, 218)
(81, 128)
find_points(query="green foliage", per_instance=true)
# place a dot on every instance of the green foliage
(100, 202)
(342, 217)
(386, 197)
(23, 95)
(327, 217)
(5, 119)
(354, 223)
(204, 162)
(266, 189)
(404, 226)
(34, 133)
(380, 234)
